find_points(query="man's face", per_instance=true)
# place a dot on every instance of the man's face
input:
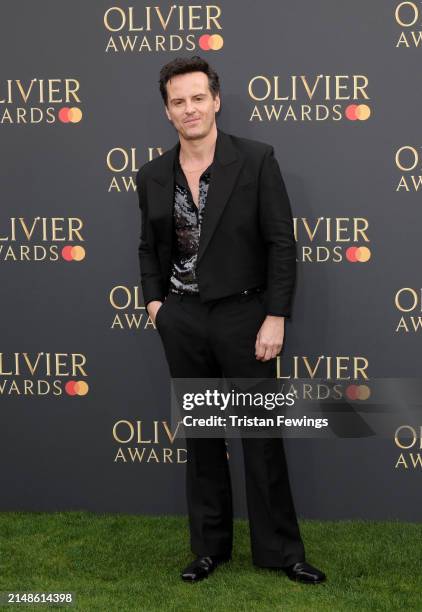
(190, 105)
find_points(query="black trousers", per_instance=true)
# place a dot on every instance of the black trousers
(209, 341)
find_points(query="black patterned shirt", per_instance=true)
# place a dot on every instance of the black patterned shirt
(187, 218)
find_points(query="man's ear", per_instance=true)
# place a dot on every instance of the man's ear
(167, 113)
(218, 103)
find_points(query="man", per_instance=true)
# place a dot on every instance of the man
(217, 257)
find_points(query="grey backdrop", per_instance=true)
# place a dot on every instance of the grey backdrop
(58, 451)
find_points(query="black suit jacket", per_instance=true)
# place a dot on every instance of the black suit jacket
(247, 230)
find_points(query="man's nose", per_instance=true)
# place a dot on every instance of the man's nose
(190, 108)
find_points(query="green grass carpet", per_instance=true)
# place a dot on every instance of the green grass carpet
(115, 562)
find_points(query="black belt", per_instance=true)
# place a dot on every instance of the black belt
(243, 294)
(247, 292)
(253, 290)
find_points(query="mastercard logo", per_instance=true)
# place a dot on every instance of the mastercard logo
(358, 254)
(358, 392)
(76, 387)
(70, 115)
(211, 42)
(73, 253)
(360, 112)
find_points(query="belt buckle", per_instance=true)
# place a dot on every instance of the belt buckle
(245, 294)
(248, 292)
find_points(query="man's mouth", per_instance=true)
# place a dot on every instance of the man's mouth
(192, 120)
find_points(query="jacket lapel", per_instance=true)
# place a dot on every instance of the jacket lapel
(223, 178)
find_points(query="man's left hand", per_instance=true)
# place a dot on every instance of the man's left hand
(269, 340)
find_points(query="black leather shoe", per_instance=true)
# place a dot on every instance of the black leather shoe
(304, 572)
(202, 567)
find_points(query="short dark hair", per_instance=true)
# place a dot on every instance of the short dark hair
(183, 65)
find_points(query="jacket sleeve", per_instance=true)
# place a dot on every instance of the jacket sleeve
(277, 229)
(151, 278)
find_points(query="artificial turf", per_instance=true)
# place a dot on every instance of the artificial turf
(118, 562)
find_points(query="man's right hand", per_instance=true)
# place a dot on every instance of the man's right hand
(152, 308)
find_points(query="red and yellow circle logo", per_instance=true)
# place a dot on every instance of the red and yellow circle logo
(358, 254)
(76, 387)
(360, 112)
(358, 392)
(211, 42)
(70, 115)
(73, 253)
